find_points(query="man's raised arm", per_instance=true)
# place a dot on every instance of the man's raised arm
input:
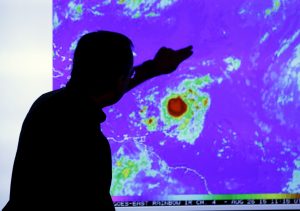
(165, 61)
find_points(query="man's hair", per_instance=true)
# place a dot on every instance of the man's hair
(101, 57)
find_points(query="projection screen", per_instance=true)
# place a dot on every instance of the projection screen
(225, 127)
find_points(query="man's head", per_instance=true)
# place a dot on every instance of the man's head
(102, 64)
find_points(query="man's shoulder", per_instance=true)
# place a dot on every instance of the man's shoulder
(52, 95)
(44, 109)
(50, 100)
(56, 96)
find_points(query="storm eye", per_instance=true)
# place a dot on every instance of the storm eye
(176, 107)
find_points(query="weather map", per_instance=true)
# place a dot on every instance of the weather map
(227, 121)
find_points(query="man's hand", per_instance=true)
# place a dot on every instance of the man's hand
(167, 60)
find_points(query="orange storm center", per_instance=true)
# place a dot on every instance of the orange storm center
(176, 106)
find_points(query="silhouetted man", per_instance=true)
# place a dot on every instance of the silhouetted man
(63, 161)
